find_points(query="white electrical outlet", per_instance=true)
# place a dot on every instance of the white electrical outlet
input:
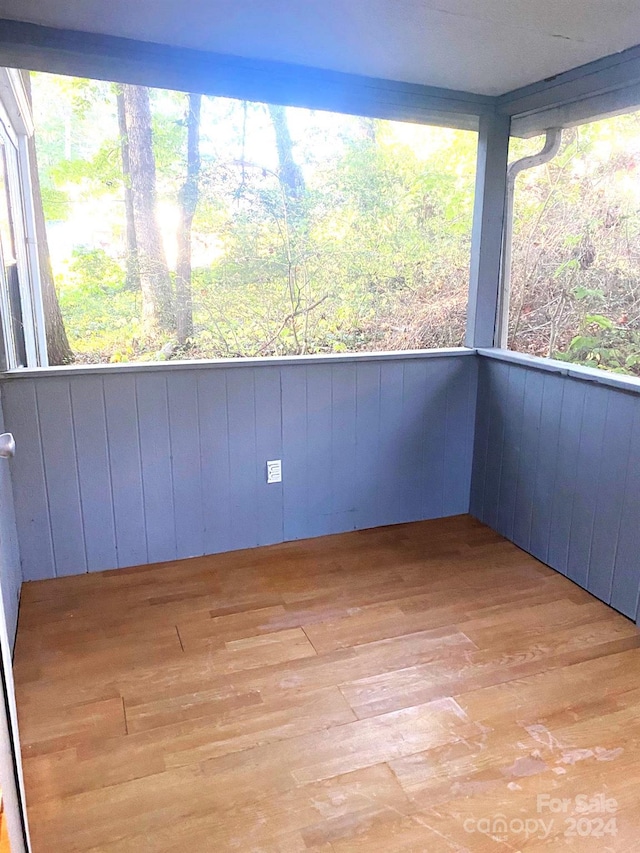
(274, 471)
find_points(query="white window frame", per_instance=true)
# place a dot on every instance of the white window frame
(16, 126)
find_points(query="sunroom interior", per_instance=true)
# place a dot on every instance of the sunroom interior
(424, 635)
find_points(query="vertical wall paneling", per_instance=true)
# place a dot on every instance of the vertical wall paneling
(184, 431)
(625, 584)
(117, 469)
(61, 471)
(319, 484)
(496, 401)
(528, 454)
(565, 475)
(293, 383)
(148, 466)
(414, 416)
(213, 431)
(268, 413)
(511, 445)
(457, 463)
(92, 454)
(123, 447)
(29, 481)
(481, 440)
(612, 475)
(434, 441)
(391, 424)
(574, 494)
(472, 406)
(546, 460)
(588, 472)
(242, 457)
(343, 447)
(367, 442)
(157, 474)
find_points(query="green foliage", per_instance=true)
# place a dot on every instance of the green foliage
(102, 172)
(168, 146)
(575, 278)
(377, 236)
(101, 316)
(606, 347)
(55, 203)
(374, 256)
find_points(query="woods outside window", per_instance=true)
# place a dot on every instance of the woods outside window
(182, 226)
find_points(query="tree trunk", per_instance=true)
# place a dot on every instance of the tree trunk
(295, 227)
(155, 284)
(188, 202)
(58, 349)
(368, 126)
(131, 260)
(290, 173)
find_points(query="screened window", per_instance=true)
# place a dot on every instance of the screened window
(182, 226)
(575, 276)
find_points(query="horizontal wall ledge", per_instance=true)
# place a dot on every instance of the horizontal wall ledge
(226, 363)
(565, 368)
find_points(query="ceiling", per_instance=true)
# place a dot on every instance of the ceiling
(484, 46)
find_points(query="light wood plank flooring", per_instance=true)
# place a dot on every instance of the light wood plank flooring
(425, 687)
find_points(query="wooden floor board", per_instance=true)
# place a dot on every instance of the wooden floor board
(396, 689)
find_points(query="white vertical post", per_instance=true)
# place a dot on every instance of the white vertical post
(32, 252)
(17, 205)
(488, 223)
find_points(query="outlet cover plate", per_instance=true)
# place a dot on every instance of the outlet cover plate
(274, 471)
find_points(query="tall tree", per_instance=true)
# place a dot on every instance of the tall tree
(290, 173)
(58, 349)
(294, 229)
(188, 198)
(368, 126)
(131, 261)
(155, 283)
